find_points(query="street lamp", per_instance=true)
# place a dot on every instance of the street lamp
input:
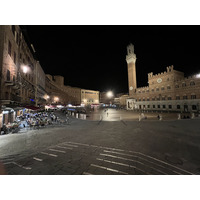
(109, 94)
(56, 99)
(25, 69)
(198, 75)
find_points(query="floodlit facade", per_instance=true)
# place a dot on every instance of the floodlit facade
(166, 91)
(89, 97)
(64, 94)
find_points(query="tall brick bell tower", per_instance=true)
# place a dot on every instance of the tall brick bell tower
(131, 59)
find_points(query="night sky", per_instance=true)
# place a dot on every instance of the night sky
(93, 57)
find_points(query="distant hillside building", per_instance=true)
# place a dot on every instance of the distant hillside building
(166, 91)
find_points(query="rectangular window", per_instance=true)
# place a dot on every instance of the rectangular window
(183, 84)
(9, 48)
(168, 87)
(162, 88)
(169, 98)
(164, 106)
(178, 107)
(153, 99)
(8, 75)
(14, 57)
(177, 97)
(157, 89)
(163, 98)
(184, 97)
(158, 106)
(177, 86)
(170, 106)
(152, 90)
(194, 107)
(148, 106)
(13, 29)
(193, 96)
(154, 106)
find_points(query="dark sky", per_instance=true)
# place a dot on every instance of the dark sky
(93, 57)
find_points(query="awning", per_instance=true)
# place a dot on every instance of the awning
(18, 108)
(32, 107)
(8, 109)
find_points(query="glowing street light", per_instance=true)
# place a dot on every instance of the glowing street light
(109, 94)
(56, 99)
(25, 69)
(198, 75)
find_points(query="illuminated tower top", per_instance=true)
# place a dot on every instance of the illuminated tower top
(131, 56)
(131, 61)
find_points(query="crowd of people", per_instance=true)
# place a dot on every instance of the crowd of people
(32, 120)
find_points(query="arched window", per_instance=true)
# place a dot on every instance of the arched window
(192, 83)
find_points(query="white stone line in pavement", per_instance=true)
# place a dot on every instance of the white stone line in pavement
(79, 143)
(49, 154)
(108, 169)
(122, 164)
(110, 148)
(64, 147)
(70, 145)
(86, 173)
(7, 163)
(57, 150)
(95, 146)
(108, 155)
(21, 166)
(182, 170)
(38, 159)
(163, 162)
(144, 160)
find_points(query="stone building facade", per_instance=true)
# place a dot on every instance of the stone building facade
(64, 94)
(89, 97)
(17, 68)
(40, 92)
(166, 91)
